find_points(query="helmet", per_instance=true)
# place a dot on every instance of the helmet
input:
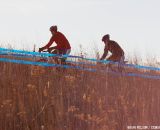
(53, 28)
(105, 37)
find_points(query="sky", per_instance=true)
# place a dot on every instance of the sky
(134, 24)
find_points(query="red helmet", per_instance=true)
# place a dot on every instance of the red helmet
(53, 28)
(105, 37)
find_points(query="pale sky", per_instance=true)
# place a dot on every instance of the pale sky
(134, 24)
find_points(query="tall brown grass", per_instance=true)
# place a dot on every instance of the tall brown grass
(40, 98)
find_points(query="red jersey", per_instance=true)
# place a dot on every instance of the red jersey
(60, 40)
(114, 48)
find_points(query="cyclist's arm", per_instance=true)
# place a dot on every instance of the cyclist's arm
(49, 43)
(105, 53)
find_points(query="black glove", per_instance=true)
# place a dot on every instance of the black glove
(49, 50)
(41, 49)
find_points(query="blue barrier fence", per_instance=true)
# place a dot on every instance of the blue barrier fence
(80, 68)
(47, 58)
(4, 51)
(33, 54)
(44, 64)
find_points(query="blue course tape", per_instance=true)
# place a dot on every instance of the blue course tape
(89, 59)
(80, 68)
(44, 64)
(48, 55)
(143, 67)
(16, 55)
(26, 56)
(38, 54)
(147, 76)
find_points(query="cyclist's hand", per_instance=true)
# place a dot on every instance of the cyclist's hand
(40, 49)
(49, 50)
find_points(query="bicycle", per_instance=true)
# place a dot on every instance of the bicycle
(113, 66)
(57, 58)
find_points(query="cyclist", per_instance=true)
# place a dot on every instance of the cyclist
(63, 45)
(114, 48)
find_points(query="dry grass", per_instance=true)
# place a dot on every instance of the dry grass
(39, 98)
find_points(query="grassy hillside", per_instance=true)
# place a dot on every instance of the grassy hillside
(40, 98)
